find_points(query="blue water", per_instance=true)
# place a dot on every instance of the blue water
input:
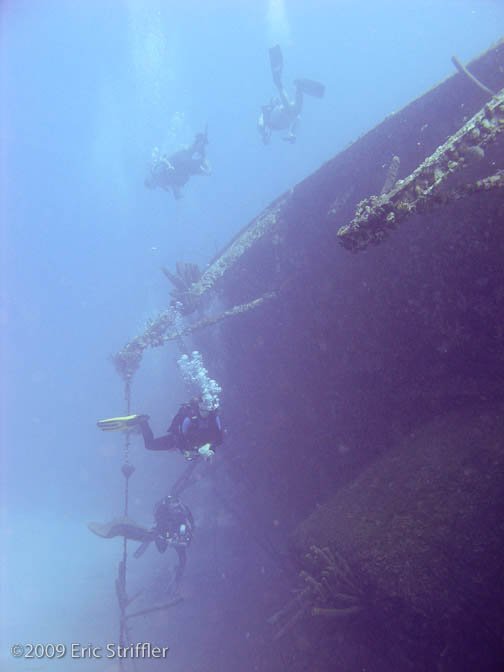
(88, 89)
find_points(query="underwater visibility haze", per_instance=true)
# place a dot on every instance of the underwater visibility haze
(104, 106)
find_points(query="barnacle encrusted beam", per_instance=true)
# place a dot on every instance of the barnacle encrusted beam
(128, 359)
(495, 181)
(266, 223)
(376, 216)
(164, 328)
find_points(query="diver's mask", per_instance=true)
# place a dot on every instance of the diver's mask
(205, 405)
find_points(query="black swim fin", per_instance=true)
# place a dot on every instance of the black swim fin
(276, 61)
(310, 87)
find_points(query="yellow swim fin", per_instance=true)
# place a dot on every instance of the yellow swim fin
(121, 423)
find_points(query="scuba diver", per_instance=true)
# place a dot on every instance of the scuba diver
(173, 526)
(195, 431)
(282, 113)
(172, 172)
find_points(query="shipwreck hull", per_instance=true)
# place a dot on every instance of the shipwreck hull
(355, 355)
(363, 393)
(422, 532)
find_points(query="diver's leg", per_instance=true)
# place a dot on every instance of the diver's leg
(276, 62)
(310, 87)
(121, 527)
(179, 569)
(285, 99)
(166, 442)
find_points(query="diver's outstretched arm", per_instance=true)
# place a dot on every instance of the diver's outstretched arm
(291, 137)
(205, 168)
(262, 125)
(298, 102)
(142, 548)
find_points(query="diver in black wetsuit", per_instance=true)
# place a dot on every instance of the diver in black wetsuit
(173, 172)
(281, 113)
(195, 431)
(174, 526)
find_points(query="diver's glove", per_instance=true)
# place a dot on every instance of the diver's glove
(205, 167)
(206, 451)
